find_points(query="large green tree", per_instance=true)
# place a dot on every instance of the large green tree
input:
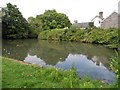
(0, 14)
(14, 25)
(0, 22)
(51, 19)
(35, 27)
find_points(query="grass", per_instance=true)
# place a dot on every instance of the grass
(20, 75)
(115, 61)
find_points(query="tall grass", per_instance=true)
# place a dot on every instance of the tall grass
(17, 75)
(115, 62)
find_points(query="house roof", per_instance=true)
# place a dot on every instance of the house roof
(111, 15)
(97, 17)
(81, 25)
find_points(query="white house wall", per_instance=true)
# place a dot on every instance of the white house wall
(96, 22)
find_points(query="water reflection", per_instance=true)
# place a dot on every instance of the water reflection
(84, 66)
(87, 58)
(34, 60)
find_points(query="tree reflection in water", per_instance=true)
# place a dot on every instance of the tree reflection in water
(88, 59)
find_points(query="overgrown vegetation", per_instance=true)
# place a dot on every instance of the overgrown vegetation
(15, 26)
(50, 26)
(107, 37)
(50, 19)
(31, 76)
(115, 67)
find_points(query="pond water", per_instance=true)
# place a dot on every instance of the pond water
(87, 59)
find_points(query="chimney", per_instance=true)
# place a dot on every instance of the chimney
(101, 15)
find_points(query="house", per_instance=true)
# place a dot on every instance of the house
(111, 21)
(98, 19)
(82, 25)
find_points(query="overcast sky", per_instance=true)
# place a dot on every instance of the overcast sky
(81, 10)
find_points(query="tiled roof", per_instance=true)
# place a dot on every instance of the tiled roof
(81, 25)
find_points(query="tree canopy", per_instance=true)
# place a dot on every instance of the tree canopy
(50, 19)
(0, 15)
(35, 26)
(14, 25)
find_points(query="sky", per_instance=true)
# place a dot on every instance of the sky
(80, 10)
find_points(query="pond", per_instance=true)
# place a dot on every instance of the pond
(87, 59)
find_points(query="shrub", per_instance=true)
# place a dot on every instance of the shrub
(108, 37)
(115, 61)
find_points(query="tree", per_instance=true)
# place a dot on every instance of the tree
(91, 24)
(53, 24)
(50, 19)
(35, 27)
(0, 22)
(14, 25)
(0, 14)
(75, 21)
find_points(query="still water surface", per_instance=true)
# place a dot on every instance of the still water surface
(88, 59)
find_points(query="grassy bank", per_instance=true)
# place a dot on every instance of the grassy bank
(107, 37)
(17, 75)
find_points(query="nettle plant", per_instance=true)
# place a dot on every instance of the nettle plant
(115, 61)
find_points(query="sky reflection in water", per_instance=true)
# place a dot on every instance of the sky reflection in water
(84, 66)
(90, 59)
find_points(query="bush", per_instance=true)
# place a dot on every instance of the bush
(115, 61)
(108, 37)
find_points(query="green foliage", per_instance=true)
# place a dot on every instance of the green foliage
(50, 19)
(0, 23)
(91, 24)
(78, 35)
(31, 76)
(35, 27)
(115, 61)
(56, 34)
(0, 15)
(14, 24)
(108, 37)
